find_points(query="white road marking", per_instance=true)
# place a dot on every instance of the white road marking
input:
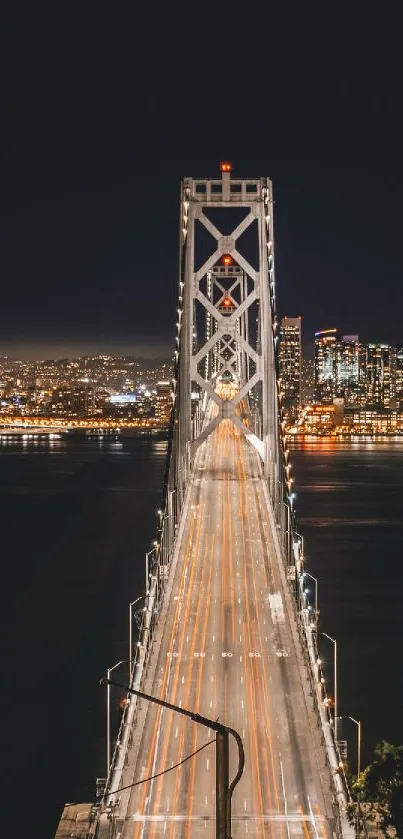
(285, 797)
(313, 818)
(276, 607)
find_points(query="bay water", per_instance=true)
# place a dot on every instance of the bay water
(77, 517)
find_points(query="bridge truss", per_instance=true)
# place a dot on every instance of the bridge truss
(226, 315)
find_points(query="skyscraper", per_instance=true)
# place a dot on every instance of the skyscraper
(326, 354)
(163, 402)
(290, 358)
(380, 375)
(347, 370)
(399, 378)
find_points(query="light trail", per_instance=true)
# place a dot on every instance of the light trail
(218, 656)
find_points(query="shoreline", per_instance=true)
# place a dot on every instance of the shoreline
(344, 438)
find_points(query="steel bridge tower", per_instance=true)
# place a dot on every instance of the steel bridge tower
(226, 318)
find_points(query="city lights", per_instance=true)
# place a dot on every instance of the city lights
(349, 390)
(97, 392)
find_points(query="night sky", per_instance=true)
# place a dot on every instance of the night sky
(103, 114)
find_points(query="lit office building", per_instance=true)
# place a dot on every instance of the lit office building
(326, 354)
(74, 401)
(290, 358)
(379, 363)
(347, 372)
(163, 403)
(399, 378)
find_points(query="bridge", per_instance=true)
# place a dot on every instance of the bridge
(228, 631)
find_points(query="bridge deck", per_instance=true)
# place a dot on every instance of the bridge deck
(228, 651)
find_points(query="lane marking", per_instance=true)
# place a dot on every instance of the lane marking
(277, 607)
(285, 797)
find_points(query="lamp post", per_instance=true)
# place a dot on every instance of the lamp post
(148, 554)
(287, 530)
(224, 788)
(133, 603)
(307, 574)
(334, 642)
(359, 734)
(108, 714)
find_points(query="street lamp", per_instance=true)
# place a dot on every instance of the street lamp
(148, 554)
(108, 713)
(224, 788)
(334, 642)
(359, 733)
(133, 603)
(307, 574)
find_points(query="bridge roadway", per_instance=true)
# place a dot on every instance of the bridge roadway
(227, 650)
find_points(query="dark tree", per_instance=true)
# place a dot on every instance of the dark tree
(380, 788)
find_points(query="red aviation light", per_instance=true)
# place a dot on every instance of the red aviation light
(227, 259)
(227, 302)
(225, 166)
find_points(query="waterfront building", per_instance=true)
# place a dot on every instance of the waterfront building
(290, 360)
(317, 419)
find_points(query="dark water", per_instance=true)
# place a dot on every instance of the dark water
(77, 518)
(349, 509)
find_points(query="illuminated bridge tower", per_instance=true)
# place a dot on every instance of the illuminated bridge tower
(226, 317)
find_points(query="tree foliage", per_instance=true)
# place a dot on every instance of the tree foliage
(380, 788)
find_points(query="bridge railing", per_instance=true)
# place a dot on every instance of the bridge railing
(292, 546)
(128, 720)
(158, 563)
(292, 549)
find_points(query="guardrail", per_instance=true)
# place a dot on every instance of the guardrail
(290, 546)
(171, 521)
(123, 742)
